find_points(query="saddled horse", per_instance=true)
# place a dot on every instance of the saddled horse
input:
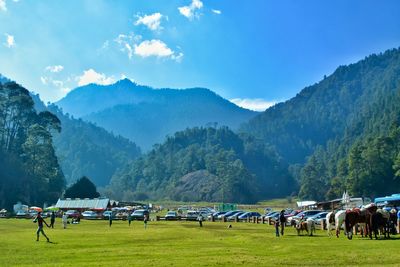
(307, 225)
(380, 221)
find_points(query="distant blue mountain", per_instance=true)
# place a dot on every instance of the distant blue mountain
(146, 115)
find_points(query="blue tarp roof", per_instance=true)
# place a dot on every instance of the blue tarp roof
(84, 203)
(394, 197)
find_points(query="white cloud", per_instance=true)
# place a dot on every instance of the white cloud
(55, 68)
(10, 41)
(91, 76)
(153, 21)
(216, 11)
(157, 48)
(153, 48)
(190, 11)
(3, 6)
(256, 104)
(126, 43)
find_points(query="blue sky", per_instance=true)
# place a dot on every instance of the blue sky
(254, 51)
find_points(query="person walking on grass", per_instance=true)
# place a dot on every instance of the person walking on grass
(145, 219)
(277, 228)
(129, 218)
(200, 219)
(39, 220)
(52, 219)
(110, 219)
(282, 221)
(64, 220)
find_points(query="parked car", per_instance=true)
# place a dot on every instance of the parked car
(107, 214)
(89, 215)
(229, 213)
(302, 215)
(319, 217)
(121, 215)
(171, 216)
(22, 214)
(232, 217)
(192, 215)
(72, 213)
(270, 214)
(216, 214)
(249, 214)
(139, 215)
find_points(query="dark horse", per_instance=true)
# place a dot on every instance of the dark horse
(359, 216)
(380, 221)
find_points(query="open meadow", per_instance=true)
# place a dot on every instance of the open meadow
(94, 243)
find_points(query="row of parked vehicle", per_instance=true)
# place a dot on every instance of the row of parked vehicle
(294, 216)
(116, 214)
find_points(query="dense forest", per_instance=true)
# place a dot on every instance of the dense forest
(85, 149)
(29, 168)
(146, 115)
(205, 164)
(344, 129)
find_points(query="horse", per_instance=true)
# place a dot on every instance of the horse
(355, 217)
(339, 219)
(330, 221)
(308, 226)
(380, 221)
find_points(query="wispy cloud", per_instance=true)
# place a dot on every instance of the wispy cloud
(127, 43)
(156, 48)
(191, 11)
(91, 76)
(3, 6)
(153, 21)
(55, 68)
(216, 11)
(59, 84)
(10, 41)
(256, 104)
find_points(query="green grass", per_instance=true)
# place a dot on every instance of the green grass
(185, 244)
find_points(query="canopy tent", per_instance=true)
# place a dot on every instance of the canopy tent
(98, 204)
(36, 209)
(389, 200)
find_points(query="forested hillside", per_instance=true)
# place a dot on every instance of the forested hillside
(205, 164)
(85, 149)
(324, 111)
(145, 115)
(29, 169)
(344, 127)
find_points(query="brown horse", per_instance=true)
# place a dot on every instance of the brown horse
(355, 217)
(359, 217)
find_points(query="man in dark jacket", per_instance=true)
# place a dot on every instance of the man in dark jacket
(282, 221)
(39, 219)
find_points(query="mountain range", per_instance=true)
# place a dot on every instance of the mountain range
(342, 133)
(146, 115)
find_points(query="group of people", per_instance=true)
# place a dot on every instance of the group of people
(40, 221)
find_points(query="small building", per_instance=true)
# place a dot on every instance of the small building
(97, 204)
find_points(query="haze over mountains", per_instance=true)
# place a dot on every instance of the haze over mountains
(145, 115)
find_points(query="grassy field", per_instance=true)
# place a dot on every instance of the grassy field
(185, 244)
